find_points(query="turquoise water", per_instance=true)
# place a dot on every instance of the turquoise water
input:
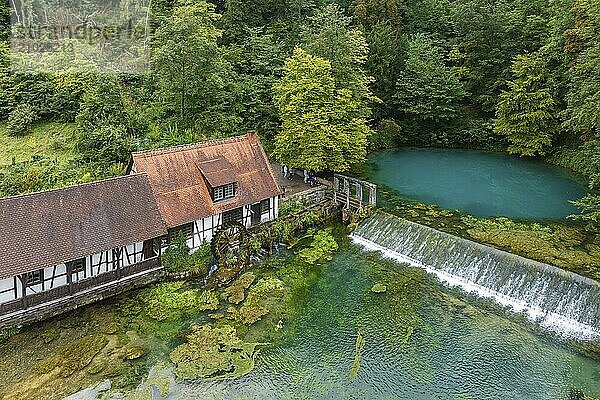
(422, 341)
(481, 183)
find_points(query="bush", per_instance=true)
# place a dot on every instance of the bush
(177, 257)
(21, 119)
(106, 144)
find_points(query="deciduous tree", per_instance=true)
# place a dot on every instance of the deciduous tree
(321, 130)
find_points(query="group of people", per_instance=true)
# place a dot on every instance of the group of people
(309, 177)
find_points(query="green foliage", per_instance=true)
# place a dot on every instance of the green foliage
(321, 249)
(292, 205)
(373, 12)
(103, 104)
(177, 257)
(427, 89)
(45, 173)
(387, 136)
(195, 83)
(330, 36)
(590, 211)
(21, 119)
(107, 144)
(584, 159)
(582, 114)
(386, 56)
(6, 334)
(213, 353)
(320, 127)
(527, 113)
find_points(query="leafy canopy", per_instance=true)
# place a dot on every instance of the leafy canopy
(320, 128)
(527, 112)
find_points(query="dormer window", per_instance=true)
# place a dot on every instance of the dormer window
(224, 192)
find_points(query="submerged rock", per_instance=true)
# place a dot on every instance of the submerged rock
(213, 353)
(235, 293)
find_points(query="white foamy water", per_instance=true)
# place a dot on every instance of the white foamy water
(556, 300)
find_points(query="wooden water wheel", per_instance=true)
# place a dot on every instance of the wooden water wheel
(231, 248)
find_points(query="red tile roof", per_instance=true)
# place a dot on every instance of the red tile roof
(47, 228)
(179, 175)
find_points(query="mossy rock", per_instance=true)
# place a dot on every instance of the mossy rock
(213, 353)
(135, 352)
(235, 293)
(379, 288)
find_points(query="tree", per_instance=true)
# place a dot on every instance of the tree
(331, 36)
(583, 45)
(258, 62)
(105, 144)
(373, 12)
(320, 127)
(590, 211)
(102, 105)
(427, 89)
(527, 112)
(384, 62)
(196, 85)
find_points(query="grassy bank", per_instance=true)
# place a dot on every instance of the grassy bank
(50, 139)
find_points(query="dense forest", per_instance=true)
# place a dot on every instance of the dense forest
(323, 82)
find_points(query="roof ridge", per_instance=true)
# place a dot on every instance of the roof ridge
(77, 185)
(205, 143)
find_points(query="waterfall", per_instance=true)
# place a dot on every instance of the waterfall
(558, 300)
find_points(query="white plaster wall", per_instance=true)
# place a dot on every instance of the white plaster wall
(6, 284)
(50, 283)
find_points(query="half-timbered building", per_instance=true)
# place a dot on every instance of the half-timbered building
(200, 187)
(66, 247)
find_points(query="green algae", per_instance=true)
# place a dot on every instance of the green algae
(74, 356)
(169, 301)
(235, 293)
(358, 348)
(321, 248)
(213, 353)
(555, 244)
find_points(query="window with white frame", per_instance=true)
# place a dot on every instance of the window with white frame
(224, 192)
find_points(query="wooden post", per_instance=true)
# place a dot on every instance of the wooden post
(359, 193)
(69, 266)
(23, 278)
(336, 187)
(347, 191)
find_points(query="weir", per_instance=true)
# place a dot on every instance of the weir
(558, 300)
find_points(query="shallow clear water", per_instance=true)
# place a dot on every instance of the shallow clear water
(481, 183)
(422, 342)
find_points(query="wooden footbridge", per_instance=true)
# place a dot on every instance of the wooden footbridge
(352, 193)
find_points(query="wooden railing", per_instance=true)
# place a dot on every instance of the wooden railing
(77, 287)
(353, 193)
